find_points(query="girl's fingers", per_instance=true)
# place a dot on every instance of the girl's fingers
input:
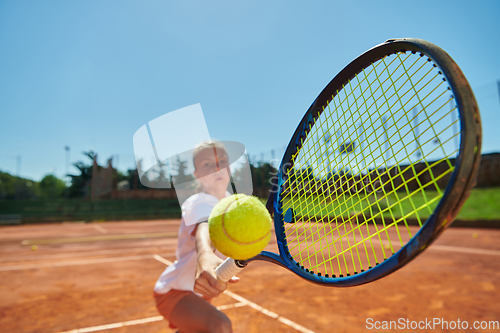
(206, 288)
(203, 283)
(214, 282)
(201, 289)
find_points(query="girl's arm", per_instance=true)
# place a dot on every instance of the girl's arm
(206, 282)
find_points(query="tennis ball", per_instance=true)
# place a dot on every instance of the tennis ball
(240, 226)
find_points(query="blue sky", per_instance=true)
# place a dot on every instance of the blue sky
(88, 74)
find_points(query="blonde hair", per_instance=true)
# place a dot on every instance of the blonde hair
(207, 144)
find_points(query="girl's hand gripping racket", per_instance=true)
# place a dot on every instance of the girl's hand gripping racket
(377, 169)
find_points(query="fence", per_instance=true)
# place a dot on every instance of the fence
(28, 211)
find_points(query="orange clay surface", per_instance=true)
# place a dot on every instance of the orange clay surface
(79, 277)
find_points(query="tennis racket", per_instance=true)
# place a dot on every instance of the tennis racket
(377, 169)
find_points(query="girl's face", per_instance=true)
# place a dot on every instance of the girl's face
(212, 170)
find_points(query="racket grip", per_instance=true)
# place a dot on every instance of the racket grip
(227, 270)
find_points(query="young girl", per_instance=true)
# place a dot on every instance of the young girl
(184, 290)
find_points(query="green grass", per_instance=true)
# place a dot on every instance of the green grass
(483, 204)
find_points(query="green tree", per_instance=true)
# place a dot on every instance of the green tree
(51, 187)
(13, 187)
(132, 177)
(80, 184)
(181, 176)
(7, 186)
(263, 175)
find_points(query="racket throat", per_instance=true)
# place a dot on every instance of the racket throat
(240, 263)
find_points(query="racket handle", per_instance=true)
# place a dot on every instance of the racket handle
(227, 270)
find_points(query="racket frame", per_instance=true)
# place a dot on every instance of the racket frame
(457, 191)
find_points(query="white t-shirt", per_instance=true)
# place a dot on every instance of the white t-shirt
(181, 274)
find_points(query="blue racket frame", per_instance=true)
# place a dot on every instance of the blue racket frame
(461, 182)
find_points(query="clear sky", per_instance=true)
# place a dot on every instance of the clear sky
(88, 74)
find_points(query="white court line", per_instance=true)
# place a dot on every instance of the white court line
(241, 302)
(231, 306)
(162, 260)
(115, 325)
(253, 305)
(138, 321)
(271, 314)
(99, 228)
(82, 254)
(52, 241)
(464, 249)
(78, 262)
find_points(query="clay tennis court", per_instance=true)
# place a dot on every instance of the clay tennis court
(98, 277)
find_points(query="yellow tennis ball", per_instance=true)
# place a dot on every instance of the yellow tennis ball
(240, 226)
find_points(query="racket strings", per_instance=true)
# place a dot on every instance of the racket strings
(388, 207)
(354, 192)
(422, 133)
(303, 177)
(362, 236)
